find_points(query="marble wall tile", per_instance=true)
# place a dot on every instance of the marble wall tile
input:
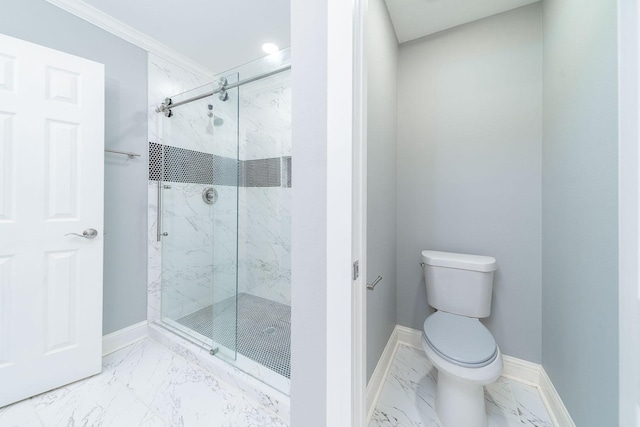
(264, 235)
(265, 271)
(225, 243)
(265, 118)
(264, 228)
(166, 79)
(187, 250)
(265, 215)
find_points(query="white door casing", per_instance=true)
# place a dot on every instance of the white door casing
(359, 238)
(629, 212)
(51, 184)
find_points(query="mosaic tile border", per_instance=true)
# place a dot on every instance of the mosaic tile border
(195, 167)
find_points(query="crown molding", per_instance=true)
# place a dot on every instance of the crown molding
(108, 23)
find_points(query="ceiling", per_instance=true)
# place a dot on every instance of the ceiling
(413, 19)
(216, 33)
(222, 35)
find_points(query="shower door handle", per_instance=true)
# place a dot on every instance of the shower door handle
(89, 233)
(159, 212)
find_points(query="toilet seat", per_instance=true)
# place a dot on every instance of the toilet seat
(463, 341)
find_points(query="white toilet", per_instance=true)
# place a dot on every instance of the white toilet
(460, 347)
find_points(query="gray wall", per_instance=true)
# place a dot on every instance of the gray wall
(125, 249)
(469, 164)
(382, 119)
(580, 208)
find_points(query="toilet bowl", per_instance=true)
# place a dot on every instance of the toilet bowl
(459, 287)
(467, 358)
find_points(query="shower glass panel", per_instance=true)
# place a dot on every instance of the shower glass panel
(221, 316)
(226, 258)
(199, 207)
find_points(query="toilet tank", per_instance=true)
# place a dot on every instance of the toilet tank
(459, 283)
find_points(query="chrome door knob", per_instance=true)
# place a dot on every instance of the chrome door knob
(89, 233)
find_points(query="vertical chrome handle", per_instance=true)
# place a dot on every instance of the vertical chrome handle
(159, 212)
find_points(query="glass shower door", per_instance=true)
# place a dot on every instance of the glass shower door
(226, 188)
(198, 204)
(223, 114)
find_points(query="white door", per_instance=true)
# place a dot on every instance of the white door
(51, 184)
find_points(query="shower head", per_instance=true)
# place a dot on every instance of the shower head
(215, 120)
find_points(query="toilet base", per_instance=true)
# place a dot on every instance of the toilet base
(459, 404)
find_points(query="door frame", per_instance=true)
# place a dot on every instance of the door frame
(629, 211)
(346, 122)
(359, 213)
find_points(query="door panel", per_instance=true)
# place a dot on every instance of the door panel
(51, 184)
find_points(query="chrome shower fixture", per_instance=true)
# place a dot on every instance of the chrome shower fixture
(217, 121)
(222, 89)
(165, 108)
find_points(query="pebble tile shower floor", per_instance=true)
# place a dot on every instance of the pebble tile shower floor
(263, 329)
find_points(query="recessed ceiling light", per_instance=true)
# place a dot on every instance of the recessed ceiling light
(270, 48)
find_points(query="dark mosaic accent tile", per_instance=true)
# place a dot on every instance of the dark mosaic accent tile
(189, 166)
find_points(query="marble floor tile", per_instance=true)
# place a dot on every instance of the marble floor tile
(180, 392)
(21, 414)
(499, 400)
(530, 405)
(408, 397)
(144, 384)
(97, 401)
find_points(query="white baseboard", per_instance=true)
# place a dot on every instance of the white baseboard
(518, 369)
(521, 370)
(120, 339)
(410, 337)
(376, 382)
(551, 398)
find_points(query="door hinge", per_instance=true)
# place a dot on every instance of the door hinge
(356, 270)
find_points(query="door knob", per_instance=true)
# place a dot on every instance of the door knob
(89, 233)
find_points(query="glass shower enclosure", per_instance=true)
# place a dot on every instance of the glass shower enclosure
(225, 217)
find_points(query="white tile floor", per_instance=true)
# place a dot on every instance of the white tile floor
(407, 398)
(144, 384)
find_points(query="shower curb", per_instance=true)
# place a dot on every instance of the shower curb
(273, 400)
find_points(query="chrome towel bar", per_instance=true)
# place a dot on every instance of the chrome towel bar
(370, 286)
(130, 155)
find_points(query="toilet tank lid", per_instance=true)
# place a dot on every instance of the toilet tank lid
(460, 261)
